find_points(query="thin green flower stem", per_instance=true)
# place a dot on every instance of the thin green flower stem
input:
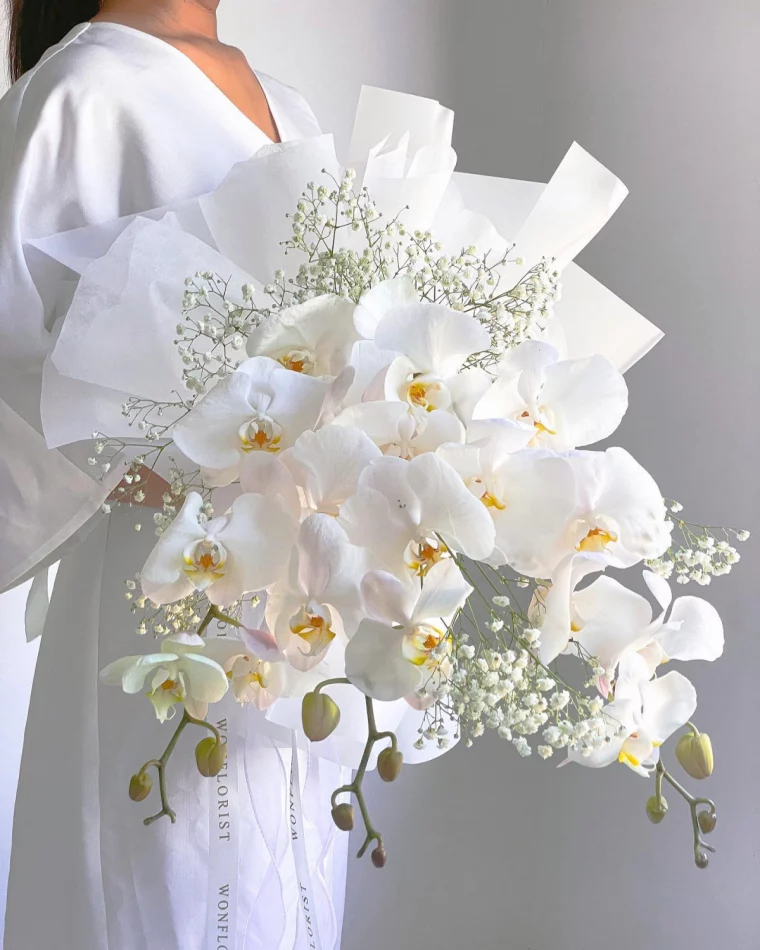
(355, 788)
(215, 614)
(693, 803)
(339, 681)
(160, 764)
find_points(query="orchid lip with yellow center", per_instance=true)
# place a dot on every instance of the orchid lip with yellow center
(420, 642)
(542, 422)
(205, 562)
(297, 360)
(260, 434)
(625, 758)
(312, 623)
(596, 541)
(421, 555)
(426, 392)
(489, 496)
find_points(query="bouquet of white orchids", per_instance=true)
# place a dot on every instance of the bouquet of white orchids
(381, 486)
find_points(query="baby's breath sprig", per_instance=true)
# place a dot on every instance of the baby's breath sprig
(492, 677)
(698, 552)
(348, 247)
(212, 335)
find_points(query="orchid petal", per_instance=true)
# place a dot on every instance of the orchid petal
(383, 297)
(435, 338)
(258, 536)
(669, 703)
(375, 663)
(694, 631)
(163, 577)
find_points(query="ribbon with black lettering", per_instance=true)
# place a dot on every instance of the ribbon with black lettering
(224, 833)
(308, 929)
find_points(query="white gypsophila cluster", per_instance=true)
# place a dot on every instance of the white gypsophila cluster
(498, 683)
(701, 554)
(470, 281)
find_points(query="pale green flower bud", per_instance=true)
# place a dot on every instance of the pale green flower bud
(389, 764)
(694, 752)
(343, 816)
(320, 716)
(140, 786)
(656, 809)
(707, 821)
(210, 756)
(701, 860)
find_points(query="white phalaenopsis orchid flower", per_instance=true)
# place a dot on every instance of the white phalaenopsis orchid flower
(608, 621)
(261, 407)
(254, 681)
(620, 511)
(179, 673)
(314, 337)
(320, 598)
(642, 716)
(408, 515)
(399, 652)
(693, 629)
(569, 403)
(529, 494)
(326, 466)
(435, 342)
(605, 618)
(400, 433)
(243, 550)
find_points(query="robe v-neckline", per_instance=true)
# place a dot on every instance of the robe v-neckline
(235, 110)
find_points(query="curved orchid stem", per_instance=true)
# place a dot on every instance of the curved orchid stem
(700, 845)
(160, 764)
(355, 788)
(215, 614)
(338, 681)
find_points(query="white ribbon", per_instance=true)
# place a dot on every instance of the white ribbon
(308, 930)
(224, 836)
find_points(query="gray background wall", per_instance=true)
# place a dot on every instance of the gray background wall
(488, 851)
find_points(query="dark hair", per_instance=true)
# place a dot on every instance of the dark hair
(39, 24)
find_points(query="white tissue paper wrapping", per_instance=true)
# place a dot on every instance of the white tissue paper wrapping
(117, 338)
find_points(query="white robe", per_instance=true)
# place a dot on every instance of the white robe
(111, 122)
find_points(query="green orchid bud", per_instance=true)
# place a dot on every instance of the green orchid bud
(320, 716)
(140, 786)
(707, 821)
(701, 860)
(657, 808)
(210, 756)
(389, 764)
(379, 856)
(343, 816)
(694, 752)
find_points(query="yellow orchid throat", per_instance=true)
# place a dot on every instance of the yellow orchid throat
(314, 626)
(596, 541)
(422, 555)
(298, 361)
(205, 562)
(419, 643)
(261, 434)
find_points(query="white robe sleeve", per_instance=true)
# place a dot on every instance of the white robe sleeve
(59, 158)
(81, 142)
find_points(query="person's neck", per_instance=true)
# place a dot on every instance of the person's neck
(178, 18)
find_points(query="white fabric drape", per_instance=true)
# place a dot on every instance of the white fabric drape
(110, 123)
